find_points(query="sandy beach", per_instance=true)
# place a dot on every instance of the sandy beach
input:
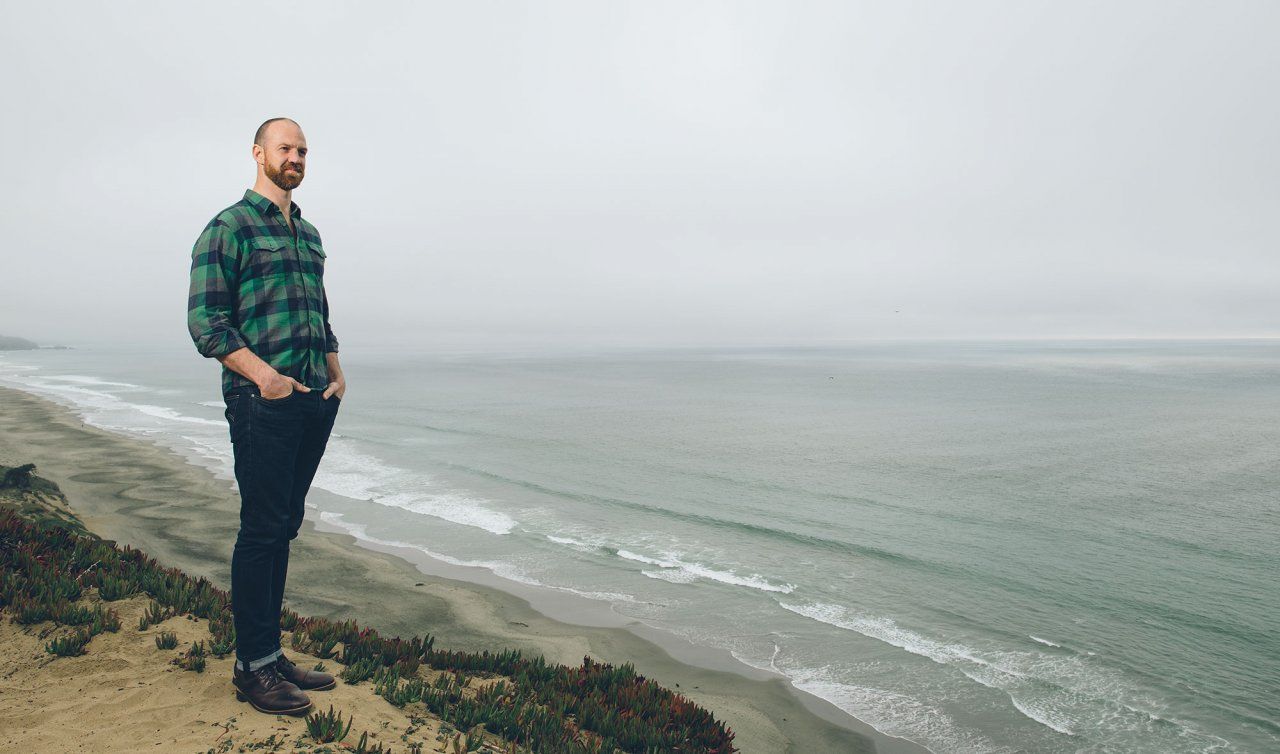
(142, 495)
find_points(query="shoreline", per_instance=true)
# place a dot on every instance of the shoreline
(182, 514)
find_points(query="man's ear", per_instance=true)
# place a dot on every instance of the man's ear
(258, 154)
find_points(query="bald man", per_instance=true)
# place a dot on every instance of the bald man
(257, 304)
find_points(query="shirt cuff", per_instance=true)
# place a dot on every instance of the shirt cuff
(221, 344)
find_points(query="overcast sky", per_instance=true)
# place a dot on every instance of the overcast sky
(496, 174)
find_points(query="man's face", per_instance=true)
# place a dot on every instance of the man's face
(285, 155)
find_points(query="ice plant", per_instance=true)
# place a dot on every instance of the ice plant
(527, 702)
(70, 645)
(362, 747)
(326, 727)
(192, 659)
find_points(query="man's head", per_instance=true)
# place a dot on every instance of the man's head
(280, 150)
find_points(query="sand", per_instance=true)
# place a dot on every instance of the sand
(140, 494)
(125, 695)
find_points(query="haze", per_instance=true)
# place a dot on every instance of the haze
(492, 174)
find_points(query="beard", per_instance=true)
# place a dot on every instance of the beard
(281, 178)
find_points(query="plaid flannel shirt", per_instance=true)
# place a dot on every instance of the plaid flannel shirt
(255, 283)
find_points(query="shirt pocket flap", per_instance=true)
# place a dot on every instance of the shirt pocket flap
(268, 257)
(271, 243)
(315, 248)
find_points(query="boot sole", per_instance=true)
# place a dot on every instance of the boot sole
(326, 687)
(240, 696)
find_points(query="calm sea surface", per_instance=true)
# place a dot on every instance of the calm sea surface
(983, 547)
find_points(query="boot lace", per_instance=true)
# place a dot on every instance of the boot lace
(267, 676)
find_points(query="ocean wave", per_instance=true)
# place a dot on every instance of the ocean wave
(894, 713)
(351, 473)
(678, 571)
(576, 544)
(1044, 717)
(218, 454)
(628, 555)
(84, 380)
(161, 412)
(1069, 694)
(841, 547)
(675, 569)
(101, 408)
(360, 531)
(674, 577)
(887, 631)
(500, 568)
(344, 471)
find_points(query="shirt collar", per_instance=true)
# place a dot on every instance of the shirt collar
(265, 206)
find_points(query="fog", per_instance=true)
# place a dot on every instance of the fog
(492, 174)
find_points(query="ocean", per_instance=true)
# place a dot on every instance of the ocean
(979, 546)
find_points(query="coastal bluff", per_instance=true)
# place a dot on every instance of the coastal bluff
(102, 646)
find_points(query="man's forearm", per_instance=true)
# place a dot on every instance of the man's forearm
(250, 365)
(335, 369)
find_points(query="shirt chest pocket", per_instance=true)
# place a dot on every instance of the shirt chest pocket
(279, 277)
(270, 259)
(278, 258)
(311, 258)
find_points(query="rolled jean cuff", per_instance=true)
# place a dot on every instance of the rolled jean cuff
(255, 664)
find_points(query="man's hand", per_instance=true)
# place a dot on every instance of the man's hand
(337, 387)
(278, 386)
(337, 382)
(271, 384)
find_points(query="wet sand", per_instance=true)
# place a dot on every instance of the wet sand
(143, 495)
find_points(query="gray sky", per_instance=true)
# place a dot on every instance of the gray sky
(495, 174)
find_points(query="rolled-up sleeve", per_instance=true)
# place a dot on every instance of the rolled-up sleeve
(332, 345)
(211, 316)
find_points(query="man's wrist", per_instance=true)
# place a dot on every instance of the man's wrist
(264, 376)
(247, 364)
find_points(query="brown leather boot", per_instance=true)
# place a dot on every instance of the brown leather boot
(269, 692)
(307, 680)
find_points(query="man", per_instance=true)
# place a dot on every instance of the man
(257, 304)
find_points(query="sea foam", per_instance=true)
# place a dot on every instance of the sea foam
(1071, 695)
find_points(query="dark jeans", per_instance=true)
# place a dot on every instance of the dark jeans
(278, 445)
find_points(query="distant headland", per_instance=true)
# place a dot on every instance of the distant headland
(14, 343)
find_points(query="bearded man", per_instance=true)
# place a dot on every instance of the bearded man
(257, 304)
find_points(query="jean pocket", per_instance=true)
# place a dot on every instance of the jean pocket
(274, 401)
(237, 414)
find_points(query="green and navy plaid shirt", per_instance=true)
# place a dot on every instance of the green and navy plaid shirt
(255, 283)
